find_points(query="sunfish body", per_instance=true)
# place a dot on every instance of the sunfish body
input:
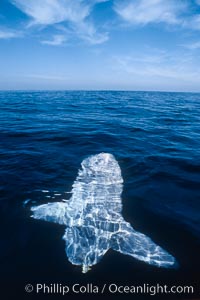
(93, 218)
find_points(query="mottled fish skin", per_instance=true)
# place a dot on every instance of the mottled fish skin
(94, 221)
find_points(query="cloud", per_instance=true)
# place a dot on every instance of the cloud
(8, 34)
(57, 40)
(71, 13)
(48, 77)
(88, 32)
(142, 12)
(171, 12)
(47, 12)
(77, 22)
(192, 22)
(192, 46)
(159, 65)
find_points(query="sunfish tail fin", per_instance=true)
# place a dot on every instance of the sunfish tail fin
(133, 243)
(51, 212)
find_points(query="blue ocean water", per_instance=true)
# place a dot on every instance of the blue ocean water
(154, 136)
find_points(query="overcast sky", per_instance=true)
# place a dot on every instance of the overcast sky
(100, 44)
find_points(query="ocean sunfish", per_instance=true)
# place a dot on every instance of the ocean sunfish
(93, 218)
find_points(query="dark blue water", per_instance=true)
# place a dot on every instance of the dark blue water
(154, 136)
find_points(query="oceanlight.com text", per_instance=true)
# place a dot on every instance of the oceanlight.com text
(152, 290)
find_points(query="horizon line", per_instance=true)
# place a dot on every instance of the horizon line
(95, 90)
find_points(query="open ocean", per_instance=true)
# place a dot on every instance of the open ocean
(44, 136)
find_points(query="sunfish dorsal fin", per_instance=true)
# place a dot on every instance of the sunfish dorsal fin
(94, 221)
